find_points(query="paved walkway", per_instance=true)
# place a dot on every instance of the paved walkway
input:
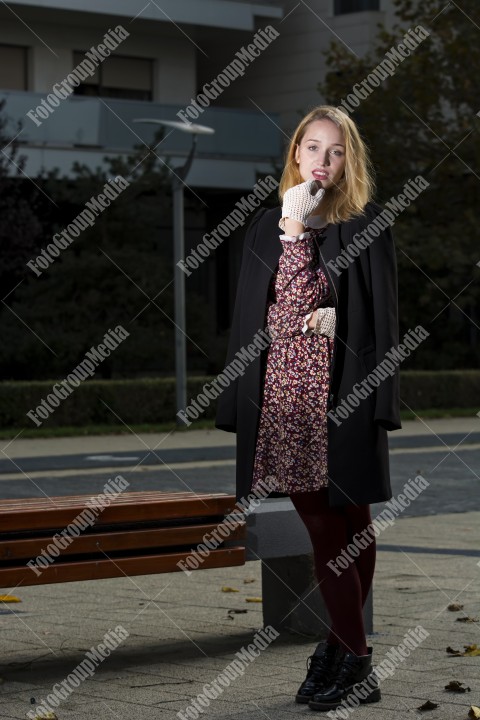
(181, 634)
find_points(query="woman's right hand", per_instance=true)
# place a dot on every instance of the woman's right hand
(298, 203)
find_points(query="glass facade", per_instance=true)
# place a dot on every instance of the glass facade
(13, 67)
(342, 7)
(127, 78)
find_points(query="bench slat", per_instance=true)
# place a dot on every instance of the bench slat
(61, 500)
(14, 577)
(45, 513)
(115, 541)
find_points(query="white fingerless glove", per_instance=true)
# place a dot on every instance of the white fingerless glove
(300, 201)
(325, 323)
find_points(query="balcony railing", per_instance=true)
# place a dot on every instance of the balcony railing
(107, 125)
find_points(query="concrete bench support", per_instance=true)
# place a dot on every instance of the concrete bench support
(291, 600)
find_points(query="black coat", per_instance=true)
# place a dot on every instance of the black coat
(365, 296)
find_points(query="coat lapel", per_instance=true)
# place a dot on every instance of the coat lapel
(268, 248)
(329, 250)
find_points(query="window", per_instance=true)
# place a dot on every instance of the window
(342, 7)
(118, 76)
(13, 67)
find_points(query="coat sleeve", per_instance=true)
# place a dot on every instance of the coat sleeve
(383, 267)
(226, 413)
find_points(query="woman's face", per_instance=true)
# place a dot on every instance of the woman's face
(321, 153)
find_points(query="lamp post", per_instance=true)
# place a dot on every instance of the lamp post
(177, 179)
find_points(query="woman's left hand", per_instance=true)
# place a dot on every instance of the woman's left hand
(312, 321)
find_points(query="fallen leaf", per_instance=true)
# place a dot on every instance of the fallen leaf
(248, 580)
(456, 686)
(471, 651)
(225, 588)
(429, 705)
(467, 618)
(253, 599)
(233, 612)
(454, 607)
(455, 653)
(9, 598)
(474, 712)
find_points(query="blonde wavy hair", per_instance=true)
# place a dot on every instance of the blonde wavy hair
(355, 189)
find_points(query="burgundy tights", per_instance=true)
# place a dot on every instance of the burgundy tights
(331, 529)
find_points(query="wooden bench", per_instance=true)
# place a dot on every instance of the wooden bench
(138, 533)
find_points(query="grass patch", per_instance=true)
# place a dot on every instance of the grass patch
(439, 413)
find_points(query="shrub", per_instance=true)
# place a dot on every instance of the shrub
(142, 401)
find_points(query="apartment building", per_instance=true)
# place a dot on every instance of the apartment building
(173, 48)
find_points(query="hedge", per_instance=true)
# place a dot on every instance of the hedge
(425, 389)
(96, 402)
(111, 402)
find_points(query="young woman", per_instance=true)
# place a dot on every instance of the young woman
(309, 415)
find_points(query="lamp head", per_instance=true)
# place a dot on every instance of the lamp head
(191, 128)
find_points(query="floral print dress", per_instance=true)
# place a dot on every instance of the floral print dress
(291, 449)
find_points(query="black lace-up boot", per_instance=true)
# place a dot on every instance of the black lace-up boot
(322, 666)
(354, 678)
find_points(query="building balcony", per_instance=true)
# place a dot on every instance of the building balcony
(224, 14)
(245, 144)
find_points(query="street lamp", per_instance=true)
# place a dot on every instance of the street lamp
(177, 179)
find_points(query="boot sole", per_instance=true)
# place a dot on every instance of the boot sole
(303, 698)
(375, 696)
